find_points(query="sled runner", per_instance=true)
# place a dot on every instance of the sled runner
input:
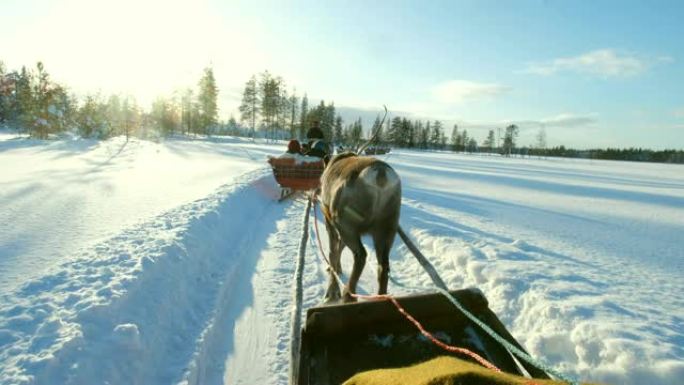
(293, 176)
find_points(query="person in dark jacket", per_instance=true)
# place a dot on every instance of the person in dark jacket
(314, 132)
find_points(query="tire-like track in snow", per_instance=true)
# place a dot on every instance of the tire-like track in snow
(261, 333)
(248, 341)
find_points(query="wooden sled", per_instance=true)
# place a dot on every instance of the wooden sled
(339, 341)
(293, 176)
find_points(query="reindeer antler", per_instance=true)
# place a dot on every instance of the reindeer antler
(375, 135)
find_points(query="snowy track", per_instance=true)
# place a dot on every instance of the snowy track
(156, 296)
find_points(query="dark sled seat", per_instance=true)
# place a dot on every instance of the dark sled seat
(339, 341)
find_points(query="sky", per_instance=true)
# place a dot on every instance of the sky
(591, 74)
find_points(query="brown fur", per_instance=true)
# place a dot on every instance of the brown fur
(354, 205)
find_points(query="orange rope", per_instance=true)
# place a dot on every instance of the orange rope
(428, 335)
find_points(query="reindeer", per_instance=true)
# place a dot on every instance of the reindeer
(359, 195)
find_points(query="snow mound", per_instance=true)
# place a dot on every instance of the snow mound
(132, 302)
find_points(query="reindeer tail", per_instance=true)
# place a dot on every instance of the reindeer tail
(380, 175)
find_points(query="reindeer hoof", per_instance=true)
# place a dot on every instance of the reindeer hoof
(347, 297)
(333, 294)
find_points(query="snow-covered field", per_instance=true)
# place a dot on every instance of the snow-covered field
(171, 262)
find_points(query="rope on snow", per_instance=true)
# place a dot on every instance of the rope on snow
(296, 333)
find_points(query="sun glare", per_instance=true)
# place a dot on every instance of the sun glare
(141, 48)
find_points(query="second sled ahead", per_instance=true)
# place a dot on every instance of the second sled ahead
(294, 175)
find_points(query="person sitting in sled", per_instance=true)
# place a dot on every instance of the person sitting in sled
(318, 148)
(317, 145)
(294, 150)
(315, 132)
(293, 147)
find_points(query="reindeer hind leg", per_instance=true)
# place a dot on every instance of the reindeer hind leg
(383, 241)
(336, 247)
(353, 241)
(333, 292)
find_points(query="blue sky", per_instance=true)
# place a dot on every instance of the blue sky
(603, 73)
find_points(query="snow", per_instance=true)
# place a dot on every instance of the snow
(172, 262)
(62, 196)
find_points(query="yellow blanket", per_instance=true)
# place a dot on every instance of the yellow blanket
(442, 371)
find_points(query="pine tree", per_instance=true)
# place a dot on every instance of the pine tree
(164, 116)
(283, 109)
(328, 122)
(377, 128)
(293, 114)
(61, 109)
(249, 109)
(189, 112)
(394, 132)
(6, 94)
(113, 114)
(40, 124)
(386, 134)
(489, 142)
(472, 145)
(130, 116)
(435, 134)
(303, 115)
(339, 134)
(406, 133)
(413, 134)
(269, 95)
(91, 118)
(207, 100)
(463, 141)
(24, 98)
(454, 138)
(356, 133)
(424, 138)
(541, 139)
(509, 139)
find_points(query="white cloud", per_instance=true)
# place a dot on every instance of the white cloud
(568, 120)
(604, 63)
(564, 120)
(678, 112)
(457, 91)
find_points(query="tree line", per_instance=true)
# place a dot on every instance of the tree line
(32, 102)
(268, 109)
(405, 133)
(627, 154)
